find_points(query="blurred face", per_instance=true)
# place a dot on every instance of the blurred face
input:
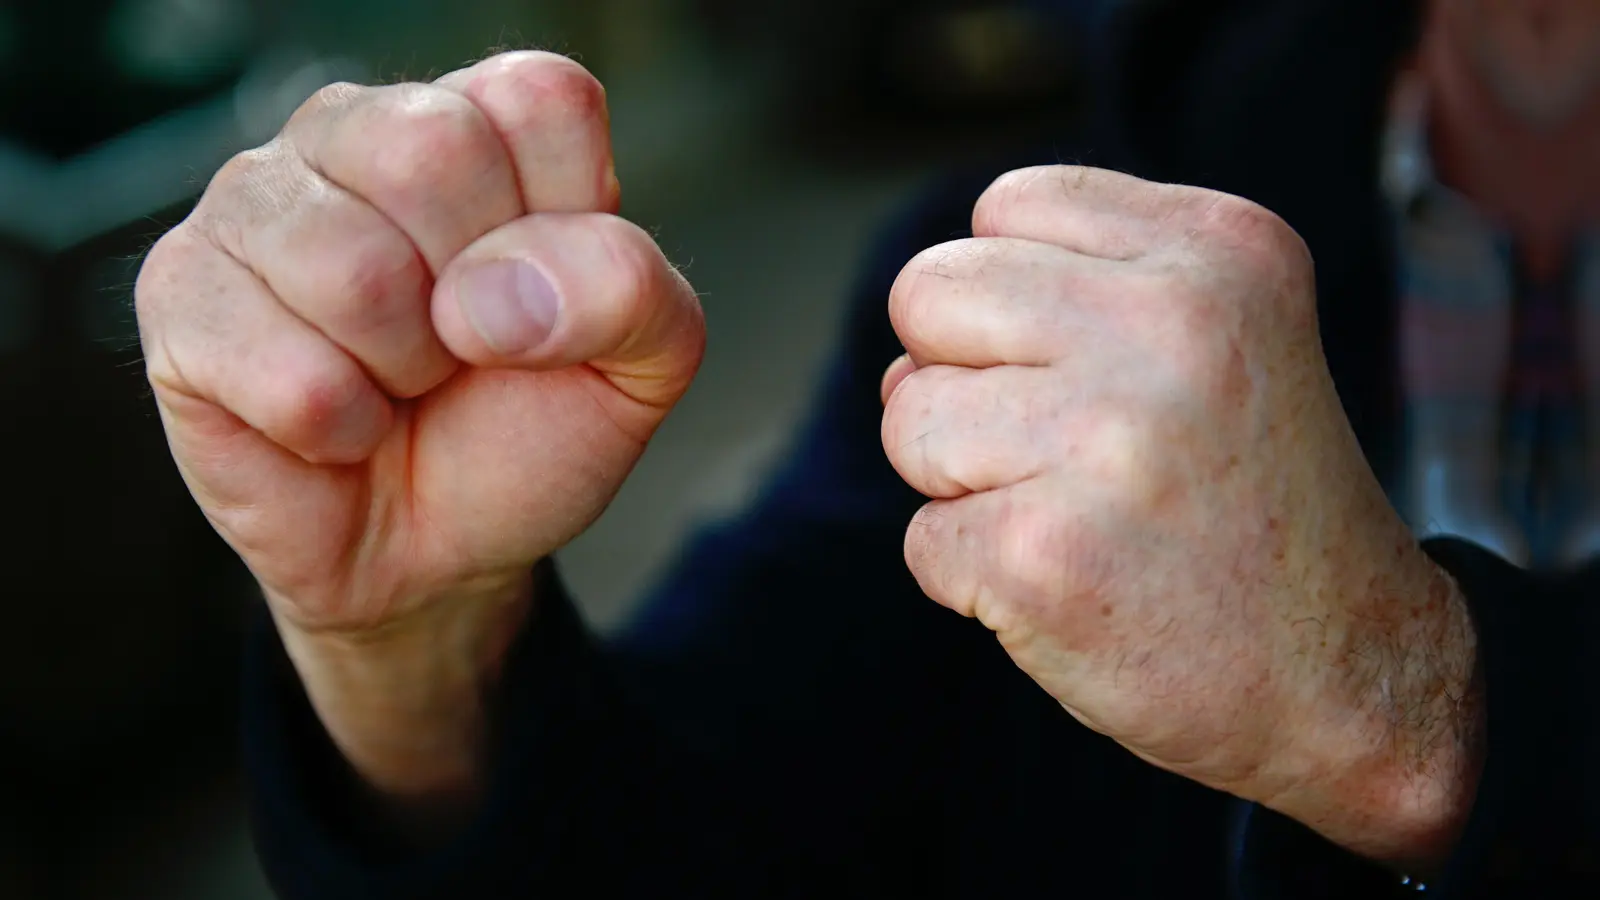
(1541, 58)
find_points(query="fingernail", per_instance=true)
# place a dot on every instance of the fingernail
(510, 304)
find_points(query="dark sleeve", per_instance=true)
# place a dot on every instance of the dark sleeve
(1515, 840)
(757, 732)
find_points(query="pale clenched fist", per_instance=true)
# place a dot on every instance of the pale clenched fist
(1145, 485)
(407, 347)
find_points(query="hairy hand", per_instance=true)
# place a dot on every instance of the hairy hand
(1143, 482)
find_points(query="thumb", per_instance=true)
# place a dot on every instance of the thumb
(553, 290)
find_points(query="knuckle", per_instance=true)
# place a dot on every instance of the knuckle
(923, 538)
(306, 408)
(938, 549)
(170, 301)
(327, 99)
(952, 259)
(907, 414)
(1005, 195)
(1248, 267)
(924, 274)
(165, 259)
(1120, 456)
(1028, 549)
(258, 184)
(547, 85)
(1255, 235)
(240, 169)
(247, 179)
(1227, 213)
(637, 271)
(374, 278)
(929, 435)
(421, 135)
(323, 104)
(903, 298)
(1023, 188)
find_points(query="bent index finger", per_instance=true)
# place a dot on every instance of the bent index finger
(551, 114)
(1096, 212)
(218, 335)
(423, 156)
(984, 302)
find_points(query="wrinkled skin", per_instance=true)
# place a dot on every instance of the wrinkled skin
(331, 342)
(1144, 484)
(1146, 487)
(325, 393)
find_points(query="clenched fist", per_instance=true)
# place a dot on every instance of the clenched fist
(407, 345)
(1143, 482)
(402, 352)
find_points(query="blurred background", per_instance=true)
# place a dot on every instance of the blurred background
(763, 140)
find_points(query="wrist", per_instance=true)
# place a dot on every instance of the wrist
(1397, 783)
(408, 701)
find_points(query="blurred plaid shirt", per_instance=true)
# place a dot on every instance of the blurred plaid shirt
(1496, 371)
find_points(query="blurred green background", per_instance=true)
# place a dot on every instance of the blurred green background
(764, 142)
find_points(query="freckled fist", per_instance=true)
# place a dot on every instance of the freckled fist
(1141, 477)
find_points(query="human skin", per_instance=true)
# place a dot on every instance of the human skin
(1143, 482)
(332, 348)
(370, 412)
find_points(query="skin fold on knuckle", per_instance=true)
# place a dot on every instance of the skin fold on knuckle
(903, 296)
(1117, 452)
(635, 279)
(553, 114)
(157, 291)
(931, 549)
(635, 260)
(252, 199)
(1017, 579)
(1269, 256)
(324, 103)
(1028, 548)
(913, 297)
(550, 90)
(158, 275)
(895, 428)
(184, 310)
(414, 137)
(309, 410)
(1003, 199)
(646, 315)
(253, 187)
(375, 280)
(910, 422)
(680, 332)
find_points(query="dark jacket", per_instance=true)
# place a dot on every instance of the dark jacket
(789, 716)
